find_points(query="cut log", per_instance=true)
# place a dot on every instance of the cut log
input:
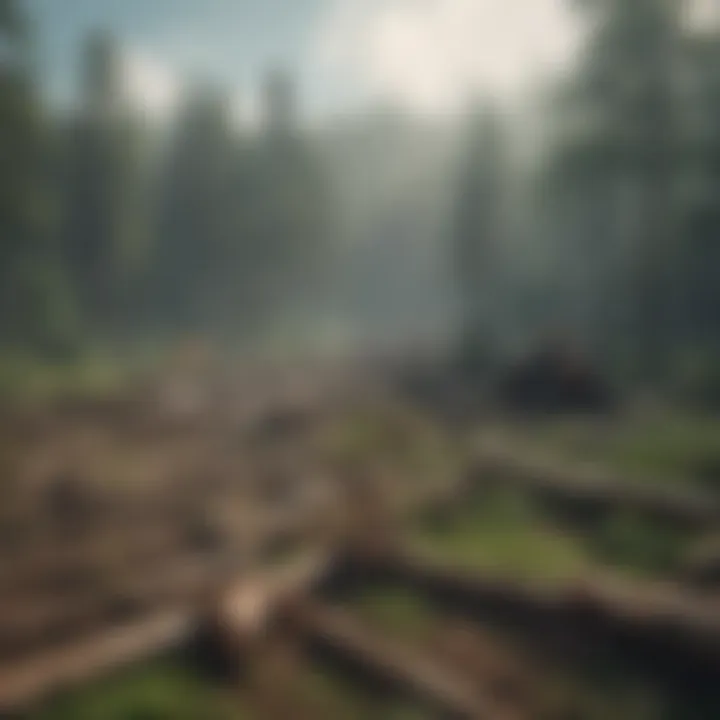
(74, 663)
(244, 613)
(656, 620)
(592, 488)
(388, 661)
(77, 643)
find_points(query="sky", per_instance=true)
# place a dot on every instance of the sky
(424, 55)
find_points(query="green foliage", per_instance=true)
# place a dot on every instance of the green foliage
(26, 377)
(11, 20)
(479, 222)
(37, 310)
(197, 223)
(161, 691)
(44, 317)
(673, 447)
(505, 535)
(286, 228)
(102, 183)
(337, 696)
(698, 381)
(610, 188)
(396, 610)
(241, 229)
(629, 541)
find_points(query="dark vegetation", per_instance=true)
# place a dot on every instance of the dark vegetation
(554, 380)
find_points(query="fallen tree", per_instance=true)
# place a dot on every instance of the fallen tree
(588, 488)
(377, 657)
(658, 623)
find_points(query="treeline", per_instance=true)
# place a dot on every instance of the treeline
(111, 231)
(595, 218)
(621, 208)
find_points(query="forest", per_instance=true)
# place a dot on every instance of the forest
(319, 402)
(590, 214)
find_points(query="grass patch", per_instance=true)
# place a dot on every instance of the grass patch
(24, 378)
(505, 535)
(599, 698)
(163, 690)
(334, 695)
(644, 546)
(666, 448)
(395, 609)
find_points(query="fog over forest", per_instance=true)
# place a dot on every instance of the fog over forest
(441, 174)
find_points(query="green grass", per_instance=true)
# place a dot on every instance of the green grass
(588, 698)
(27, 379)
(506, 536)
(330, 694)
(677, 447)
(396, 609)
(163, 690)
(665, 448)
(168, 689)
(635, 543)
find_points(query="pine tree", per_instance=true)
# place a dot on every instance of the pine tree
(36, 308)
(102, 182)
(479, 228)
(618, 172)
(287, 245)
(198, 217)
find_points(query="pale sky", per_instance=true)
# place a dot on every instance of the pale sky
(429, 54)
(425, 55)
